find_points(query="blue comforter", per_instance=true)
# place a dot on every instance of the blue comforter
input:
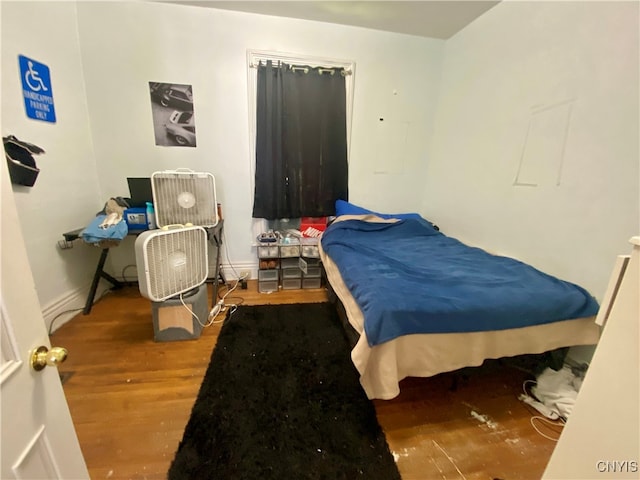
(408, 278)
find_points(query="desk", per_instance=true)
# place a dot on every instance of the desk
(214, 236)
(100, 273)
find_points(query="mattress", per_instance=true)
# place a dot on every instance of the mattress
(382, 365)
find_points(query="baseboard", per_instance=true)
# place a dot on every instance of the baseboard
(232, 272)
(67, 306)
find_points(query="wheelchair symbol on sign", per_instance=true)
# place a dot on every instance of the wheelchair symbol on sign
(32, 77)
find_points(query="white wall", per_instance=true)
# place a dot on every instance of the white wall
(512, 61)
(104, 131)
(126, 45)
(66, 192)
(516, 56)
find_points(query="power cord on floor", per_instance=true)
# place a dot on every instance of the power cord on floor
(558, 423)
(128, 281)
(221, 306)
(73, 310)
(59, 315)
(554, 421)
(215, 311)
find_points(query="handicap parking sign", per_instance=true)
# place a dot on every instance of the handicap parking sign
(36, 89)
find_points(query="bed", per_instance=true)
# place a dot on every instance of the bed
(423, 303)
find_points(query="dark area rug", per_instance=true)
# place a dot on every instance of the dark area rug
(281, 400)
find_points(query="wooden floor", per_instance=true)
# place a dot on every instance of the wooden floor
(130, 398)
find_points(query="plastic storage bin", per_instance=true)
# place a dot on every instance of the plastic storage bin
(309, 248)
(313, 272)
(291, 283)
(268, 251)
(267, 275)
(268, 263)
(291, 249)
(291, 273)
(312, 282)
(268, 286)
(292, 262)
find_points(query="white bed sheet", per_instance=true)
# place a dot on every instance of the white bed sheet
(383, 366)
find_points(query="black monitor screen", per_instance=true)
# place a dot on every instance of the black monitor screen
(140, 191)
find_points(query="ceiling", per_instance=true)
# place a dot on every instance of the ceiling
(435, 19)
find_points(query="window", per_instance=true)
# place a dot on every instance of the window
(301, 115)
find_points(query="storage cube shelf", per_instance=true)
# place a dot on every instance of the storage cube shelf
(289, 265)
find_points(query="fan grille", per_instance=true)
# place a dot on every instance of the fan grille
(181, 198)
(176, 261)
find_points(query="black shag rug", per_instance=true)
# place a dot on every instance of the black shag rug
(281, 400)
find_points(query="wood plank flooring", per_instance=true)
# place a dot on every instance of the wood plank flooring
(130, 398)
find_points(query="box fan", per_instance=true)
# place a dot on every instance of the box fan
(184, 197)
(172, 261)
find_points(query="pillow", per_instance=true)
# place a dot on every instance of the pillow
(346, 208)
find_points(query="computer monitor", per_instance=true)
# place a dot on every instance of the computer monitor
(140, 191)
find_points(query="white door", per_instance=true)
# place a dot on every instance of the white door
(602, 435)
(38, 437)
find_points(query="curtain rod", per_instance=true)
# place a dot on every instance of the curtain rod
(305, 69)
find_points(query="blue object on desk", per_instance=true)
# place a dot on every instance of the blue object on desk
(136, 218)
(94, 234)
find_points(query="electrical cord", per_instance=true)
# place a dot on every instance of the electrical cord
(221, 306)
(124, 279)
(58, 316)
(237, 303)
(192, 312)
(226, 254)
(559, 422)
(105, 292)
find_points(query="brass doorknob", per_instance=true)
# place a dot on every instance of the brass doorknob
(42, 357)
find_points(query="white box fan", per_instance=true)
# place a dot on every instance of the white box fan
(183, 197)
(171, 261)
